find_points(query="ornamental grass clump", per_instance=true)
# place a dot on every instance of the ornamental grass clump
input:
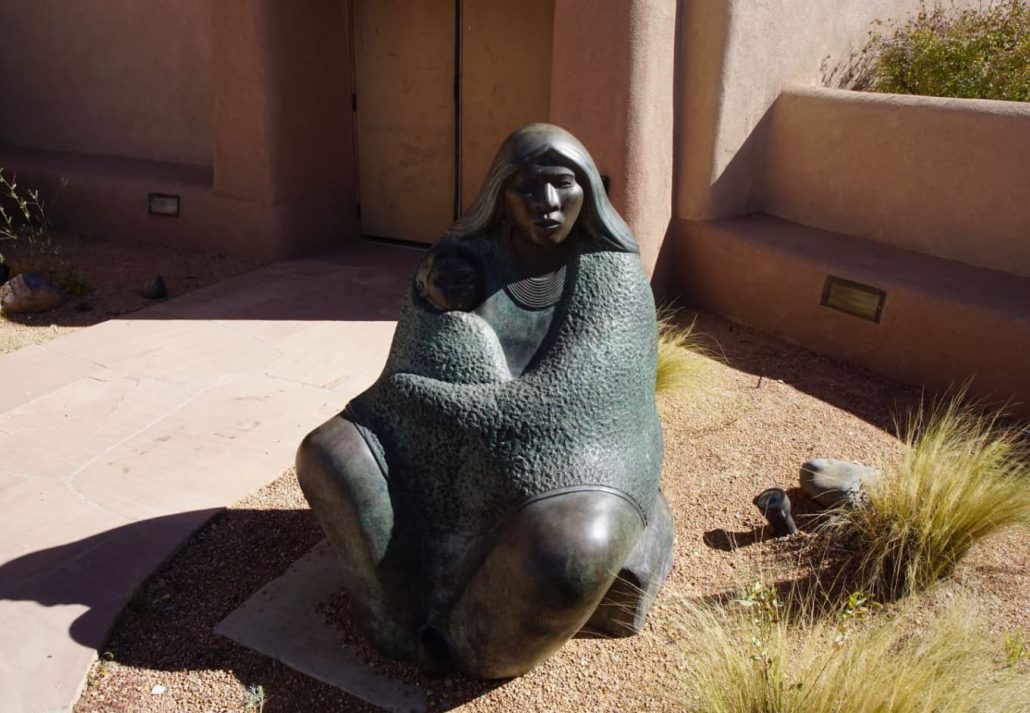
(684, 364)
(980, 53)
(963, 477)
(758, 656)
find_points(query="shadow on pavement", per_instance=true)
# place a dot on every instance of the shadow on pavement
(167, 623)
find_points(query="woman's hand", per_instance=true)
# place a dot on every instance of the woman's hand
(450, 280)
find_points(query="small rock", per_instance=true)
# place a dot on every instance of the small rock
(29, 294)
(155, 289)
(157, 690)
(835, 482)
(775, 505)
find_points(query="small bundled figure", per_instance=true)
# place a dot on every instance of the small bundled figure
(496, 491)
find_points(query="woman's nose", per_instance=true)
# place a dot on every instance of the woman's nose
(547, 198)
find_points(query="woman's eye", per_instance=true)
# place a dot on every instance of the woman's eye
(568, 183)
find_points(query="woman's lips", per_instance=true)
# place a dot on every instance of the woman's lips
(547, 223)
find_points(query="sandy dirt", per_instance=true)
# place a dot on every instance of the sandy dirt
(767, 408)
(115, 274)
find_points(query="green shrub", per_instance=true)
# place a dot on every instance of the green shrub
(981, 53)
(963, 477)
(759, 656)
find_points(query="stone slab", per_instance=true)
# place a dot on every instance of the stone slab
(84, 420)
(57, 606)
(23, 531)
(359, 352)
(174, 350)
(39, 373)
(227, 441)
(281, 621)
(119, 440)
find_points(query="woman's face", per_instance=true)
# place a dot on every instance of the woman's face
(543, 201)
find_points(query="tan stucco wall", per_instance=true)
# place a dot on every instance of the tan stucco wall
(283, 126)
(736, 56)
(943, 323)
(505, 79)
(119, 77)
(282, 118)
(943, 177)
(612, 86)
(278, 126)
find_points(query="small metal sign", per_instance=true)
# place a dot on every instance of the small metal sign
(854, 298)
(164, 204)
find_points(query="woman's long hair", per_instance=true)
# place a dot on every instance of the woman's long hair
(598, 221)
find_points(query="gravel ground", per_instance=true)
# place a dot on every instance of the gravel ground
(767, 407)
(116, 274)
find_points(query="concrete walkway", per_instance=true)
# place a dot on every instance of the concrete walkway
(119, 440)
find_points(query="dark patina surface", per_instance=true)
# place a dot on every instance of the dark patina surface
(496, 491)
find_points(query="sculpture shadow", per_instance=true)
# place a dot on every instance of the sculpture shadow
(165, 621)
(99, 572)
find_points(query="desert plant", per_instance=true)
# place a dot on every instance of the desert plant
(962, 477)
(255, 698)
(683, 362)
(25, 220)
(751, 658)
(981, 52)
(23, 216)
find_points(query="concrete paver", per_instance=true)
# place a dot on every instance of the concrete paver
(83, 419)
(281, 620)
(39, 373)
(119, 440)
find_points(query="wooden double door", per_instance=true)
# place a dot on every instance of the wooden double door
(438, 85)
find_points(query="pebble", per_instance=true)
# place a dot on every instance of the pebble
(155, 289)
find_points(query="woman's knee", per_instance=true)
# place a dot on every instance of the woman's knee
(573, 544)
(345, 485)
(335, 455)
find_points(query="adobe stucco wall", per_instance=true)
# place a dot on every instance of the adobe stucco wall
(255, 94)
(283, 130)
(900, 182)
(943, 323)
(736, 57)
(612, 85)
(119, 77)
(942, 177)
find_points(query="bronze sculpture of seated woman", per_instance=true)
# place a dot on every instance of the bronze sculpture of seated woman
(495, 492)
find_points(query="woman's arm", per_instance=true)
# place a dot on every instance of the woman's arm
(603, 347)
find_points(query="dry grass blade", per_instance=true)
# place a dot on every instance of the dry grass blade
(683, 362)
(963, 477)
(745, 660)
